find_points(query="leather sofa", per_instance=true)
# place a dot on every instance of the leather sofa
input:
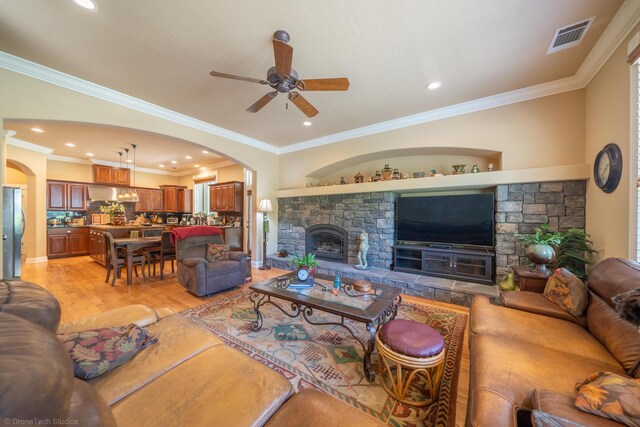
(188, 378)
(202, 277)
(530, 353)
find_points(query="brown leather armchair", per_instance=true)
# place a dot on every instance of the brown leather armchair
(202, 277)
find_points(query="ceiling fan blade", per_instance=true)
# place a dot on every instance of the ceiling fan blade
(261, 102)
(340, 83)
(303, 104)
(284, 55)
(234, 77)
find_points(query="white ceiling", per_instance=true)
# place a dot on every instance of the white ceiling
(162, 51)
(104, 142)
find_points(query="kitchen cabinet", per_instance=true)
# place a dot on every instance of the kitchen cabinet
(226, 197)
(149, 200)
(97, 248)
(155, 200)
(66, 196)
(109, 175)
(176, 198)
(66, 242)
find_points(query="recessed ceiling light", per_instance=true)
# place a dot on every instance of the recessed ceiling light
(90, 154)
(196, 166)
(69, 144)
(38, 130)
(434, 85)
(205, 152)
(307, 123)
(161, 166)
(174, 162)
(129, 161)
(87, 4)
(187, 157)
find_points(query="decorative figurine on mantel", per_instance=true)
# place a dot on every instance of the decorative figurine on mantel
(359, 178)
(363, 248)
(342, 181)
(475, 169)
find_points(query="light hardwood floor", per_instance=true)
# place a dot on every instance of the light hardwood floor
(78, 283)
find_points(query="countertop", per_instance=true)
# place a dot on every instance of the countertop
(107, 227)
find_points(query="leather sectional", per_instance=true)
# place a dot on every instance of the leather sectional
(189, 377)
(530, 353)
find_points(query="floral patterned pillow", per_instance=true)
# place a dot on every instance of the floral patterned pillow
(567, 291)
(610, 396)
(217, 252)
(97, 351)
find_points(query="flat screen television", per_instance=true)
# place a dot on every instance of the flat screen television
(457, 220)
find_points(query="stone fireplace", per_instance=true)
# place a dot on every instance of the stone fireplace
(328, 242)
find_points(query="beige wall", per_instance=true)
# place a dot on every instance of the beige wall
(608, 119)
(35, 166)
(45, 101)
(68, 171)
(15, 176)
(542, 132)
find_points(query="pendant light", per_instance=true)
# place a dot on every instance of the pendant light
(120, 196)
(135, 192)
(127, 195)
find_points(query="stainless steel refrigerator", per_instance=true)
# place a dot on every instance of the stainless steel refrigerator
(13, 225)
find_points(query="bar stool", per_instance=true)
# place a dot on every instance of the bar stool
(407, 350)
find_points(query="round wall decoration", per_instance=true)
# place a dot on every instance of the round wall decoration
(607, 169)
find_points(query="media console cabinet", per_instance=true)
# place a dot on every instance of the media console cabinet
(452, 263)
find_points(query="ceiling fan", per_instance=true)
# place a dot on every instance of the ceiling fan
(284, 79)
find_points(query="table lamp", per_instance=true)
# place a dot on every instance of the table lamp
(265, 207)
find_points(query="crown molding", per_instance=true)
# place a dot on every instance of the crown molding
(621, 25)
(27, 145)
(197, 171)
(515, 96)
(627, 17)
(68, 159)
(49, 75)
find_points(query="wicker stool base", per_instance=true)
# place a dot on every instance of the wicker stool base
(398, 371)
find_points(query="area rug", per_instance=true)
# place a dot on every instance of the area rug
(329, 359)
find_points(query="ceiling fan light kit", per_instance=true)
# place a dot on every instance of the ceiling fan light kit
(284, 79)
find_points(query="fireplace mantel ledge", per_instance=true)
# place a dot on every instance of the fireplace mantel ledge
(467, 181)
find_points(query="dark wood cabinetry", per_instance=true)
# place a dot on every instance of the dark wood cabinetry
(109, 175)
(65, 196)
(65, 242)
(465, 264)
(97, 248)
(149, 200)
(176, 198)
(226, 197)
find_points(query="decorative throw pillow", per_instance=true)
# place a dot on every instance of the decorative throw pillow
(97, 351)
(610, 396)
(217, 252)
(567, 291)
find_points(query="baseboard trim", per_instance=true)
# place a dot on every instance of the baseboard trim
(36, 260)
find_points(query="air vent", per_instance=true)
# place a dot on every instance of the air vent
(569, 36)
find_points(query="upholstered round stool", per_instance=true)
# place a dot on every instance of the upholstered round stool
(407, 350)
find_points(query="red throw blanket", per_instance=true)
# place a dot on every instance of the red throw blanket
(180, 233)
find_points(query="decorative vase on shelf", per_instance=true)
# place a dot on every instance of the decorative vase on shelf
(458, 169)
(540, 255)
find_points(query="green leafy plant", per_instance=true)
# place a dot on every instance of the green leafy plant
(574, 251)
(542, 236)
(309, 261)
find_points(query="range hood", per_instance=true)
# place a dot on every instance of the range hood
(99, 193)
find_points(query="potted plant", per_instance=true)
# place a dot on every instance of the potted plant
(115, 211)
(540, 246)
(574, 251)
(306, 265)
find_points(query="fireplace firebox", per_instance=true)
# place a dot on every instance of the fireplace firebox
(328, 242)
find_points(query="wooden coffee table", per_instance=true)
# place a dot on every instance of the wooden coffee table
(373, 309)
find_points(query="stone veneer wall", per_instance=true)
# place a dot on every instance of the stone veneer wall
(371, 212)
(520, 208)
